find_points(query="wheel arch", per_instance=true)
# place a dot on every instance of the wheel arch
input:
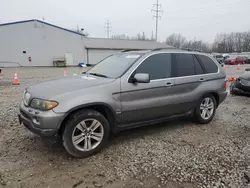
(216, 96)
(103, 108)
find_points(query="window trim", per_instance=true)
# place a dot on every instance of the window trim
(206, 74)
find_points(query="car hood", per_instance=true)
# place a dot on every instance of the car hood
(245, 76)
(52, 88)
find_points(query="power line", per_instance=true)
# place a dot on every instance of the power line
(157, 14)
(108, 28)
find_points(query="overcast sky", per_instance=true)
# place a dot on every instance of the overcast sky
(195, 19)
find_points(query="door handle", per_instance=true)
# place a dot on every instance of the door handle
(202, 80)
(169, 84)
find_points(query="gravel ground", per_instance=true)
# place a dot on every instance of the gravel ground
(177, 154)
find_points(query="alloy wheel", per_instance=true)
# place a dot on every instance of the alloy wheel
(206, 108)
(87, 135)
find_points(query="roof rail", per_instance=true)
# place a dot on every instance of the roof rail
(127, 50)
(166, 48)
(189, 49)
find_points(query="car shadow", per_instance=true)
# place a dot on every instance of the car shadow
(149, 130)
(54, 147)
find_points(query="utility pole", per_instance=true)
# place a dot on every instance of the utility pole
(157, 14)
(108, 28)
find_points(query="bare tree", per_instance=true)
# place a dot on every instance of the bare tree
(139, 36)
(197, 45)
(176, 40)
(246, 41)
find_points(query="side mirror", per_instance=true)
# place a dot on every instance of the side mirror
(248, 69)
(140, 78)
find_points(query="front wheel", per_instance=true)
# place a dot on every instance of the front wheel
(205, 109)
(86, 133)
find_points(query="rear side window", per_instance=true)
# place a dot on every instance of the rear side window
(158, 66)
(208, 63)
(184, 65)
(198, 68)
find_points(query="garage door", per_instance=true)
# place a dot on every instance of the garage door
(95, 56)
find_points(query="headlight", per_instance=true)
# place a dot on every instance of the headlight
(26, 98)
(43, 105)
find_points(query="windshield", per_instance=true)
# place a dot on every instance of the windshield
(114, 66)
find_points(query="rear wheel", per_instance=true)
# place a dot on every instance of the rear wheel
(205, 109)
(86, 133)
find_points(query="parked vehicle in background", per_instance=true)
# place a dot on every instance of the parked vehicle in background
(247, 60)
(234, 61)
(225, 56)
(219, 58)
(241, 86)
(125, 90)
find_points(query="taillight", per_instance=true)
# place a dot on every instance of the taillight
(225, 84)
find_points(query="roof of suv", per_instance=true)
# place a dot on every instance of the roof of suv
(189, 51)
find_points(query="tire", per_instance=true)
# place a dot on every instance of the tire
(198, 117)
(78, 127)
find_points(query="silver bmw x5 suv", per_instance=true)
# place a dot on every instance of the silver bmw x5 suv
(125, 90)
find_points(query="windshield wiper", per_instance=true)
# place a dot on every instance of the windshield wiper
(97, 74)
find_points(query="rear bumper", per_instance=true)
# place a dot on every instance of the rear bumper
(222, 97)
(238, 91)
(242, 87)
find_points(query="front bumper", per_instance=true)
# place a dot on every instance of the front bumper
(38, 122)
(243, 87)
(30, 126)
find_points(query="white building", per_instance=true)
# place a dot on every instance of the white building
(37, 43)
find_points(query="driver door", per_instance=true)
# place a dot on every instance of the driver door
(148, 101)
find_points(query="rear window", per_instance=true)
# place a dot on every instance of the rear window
(209, 64)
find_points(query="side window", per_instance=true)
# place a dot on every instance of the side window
(198, 68)
(208, 63)
(184, 65)
(158, 66)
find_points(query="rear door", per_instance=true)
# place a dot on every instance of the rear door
(189, 75)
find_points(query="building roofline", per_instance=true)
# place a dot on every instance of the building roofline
(35, 20)
(153, 41)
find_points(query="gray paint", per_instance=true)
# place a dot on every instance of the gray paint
(131, 103)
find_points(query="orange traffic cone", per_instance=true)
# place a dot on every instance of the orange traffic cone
(230, 79)
(65, 72)
(15, 80)
(238, 67)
